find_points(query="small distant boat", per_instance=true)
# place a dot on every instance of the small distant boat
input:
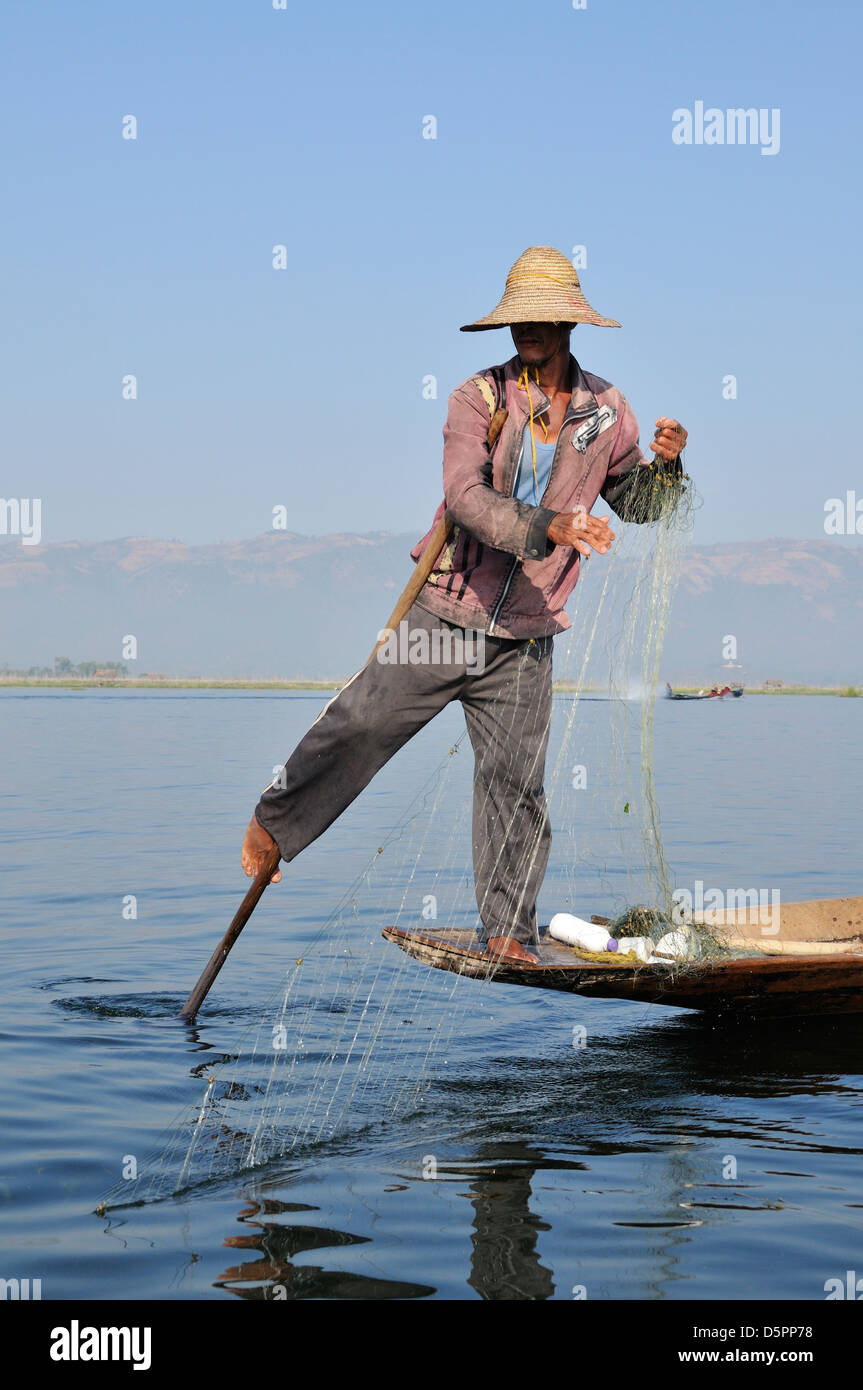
(716, 693)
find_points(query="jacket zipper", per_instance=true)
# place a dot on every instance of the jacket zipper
(504, 593)
(512, 568)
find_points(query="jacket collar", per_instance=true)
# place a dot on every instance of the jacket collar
(582, 401)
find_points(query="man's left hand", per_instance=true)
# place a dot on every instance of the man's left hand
(669, 439)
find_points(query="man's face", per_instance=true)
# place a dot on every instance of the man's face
(537, 343)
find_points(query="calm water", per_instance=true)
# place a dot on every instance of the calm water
(671, 1157)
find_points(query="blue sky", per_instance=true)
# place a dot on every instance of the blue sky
(303, 127)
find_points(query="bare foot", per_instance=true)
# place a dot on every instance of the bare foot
(505, 948)
(256, 846)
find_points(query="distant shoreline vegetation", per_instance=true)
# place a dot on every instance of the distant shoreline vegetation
(112, 677)
(64, 668)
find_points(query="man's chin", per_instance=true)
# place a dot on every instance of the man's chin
(535, 360)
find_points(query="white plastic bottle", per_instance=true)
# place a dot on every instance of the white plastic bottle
(642, 946)
(574, 931)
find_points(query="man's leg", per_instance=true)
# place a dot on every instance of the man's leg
(508, 712)
(370, 719)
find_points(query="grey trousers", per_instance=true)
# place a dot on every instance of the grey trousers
(505, 689)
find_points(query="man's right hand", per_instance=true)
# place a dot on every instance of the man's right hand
(256, 846)
(582, 531)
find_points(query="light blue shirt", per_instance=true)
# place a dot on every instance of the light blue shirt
(526, 488)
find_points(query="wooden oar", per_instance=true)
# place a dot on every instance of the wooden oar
(765, 947)
(437, 540)
(424, 567)
(241, 917)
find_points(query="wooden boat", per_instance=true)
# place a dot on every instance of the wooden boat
(810, 961)
(737, 691)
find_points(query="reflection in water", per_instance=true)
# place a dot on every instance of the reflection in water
(685, 1075)
(505, 1263)
(662, 1090)
(680, 1092)
(276, 1277)
(670, 1097)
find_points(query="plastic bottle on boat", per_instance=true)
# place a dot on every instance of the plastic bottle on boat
(574, 931)
(641, 946)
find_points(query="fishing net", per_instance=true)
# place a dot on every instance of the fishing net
(355, 1032)
(616, 649)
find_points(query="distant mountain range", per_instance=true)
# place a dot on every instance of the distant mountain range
(291, 606)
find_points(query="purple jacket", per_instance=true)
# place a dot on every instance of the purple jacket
(499, 572)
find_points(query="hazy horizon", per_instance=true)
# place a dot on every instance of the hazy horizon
(283, 605)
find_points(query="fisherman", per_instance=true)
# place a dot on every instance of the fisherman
(522, 513)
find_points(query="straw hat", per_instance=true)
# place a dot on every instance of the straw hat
(542, 287)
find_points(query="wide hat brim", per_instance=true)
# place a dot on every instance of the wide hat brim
(542, 287)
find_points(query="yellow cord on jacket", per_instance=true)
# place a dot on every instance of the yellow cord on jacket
(524, 383)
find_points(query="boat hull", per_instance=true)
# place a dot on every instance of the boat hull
(720, 695)
(757, 985)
